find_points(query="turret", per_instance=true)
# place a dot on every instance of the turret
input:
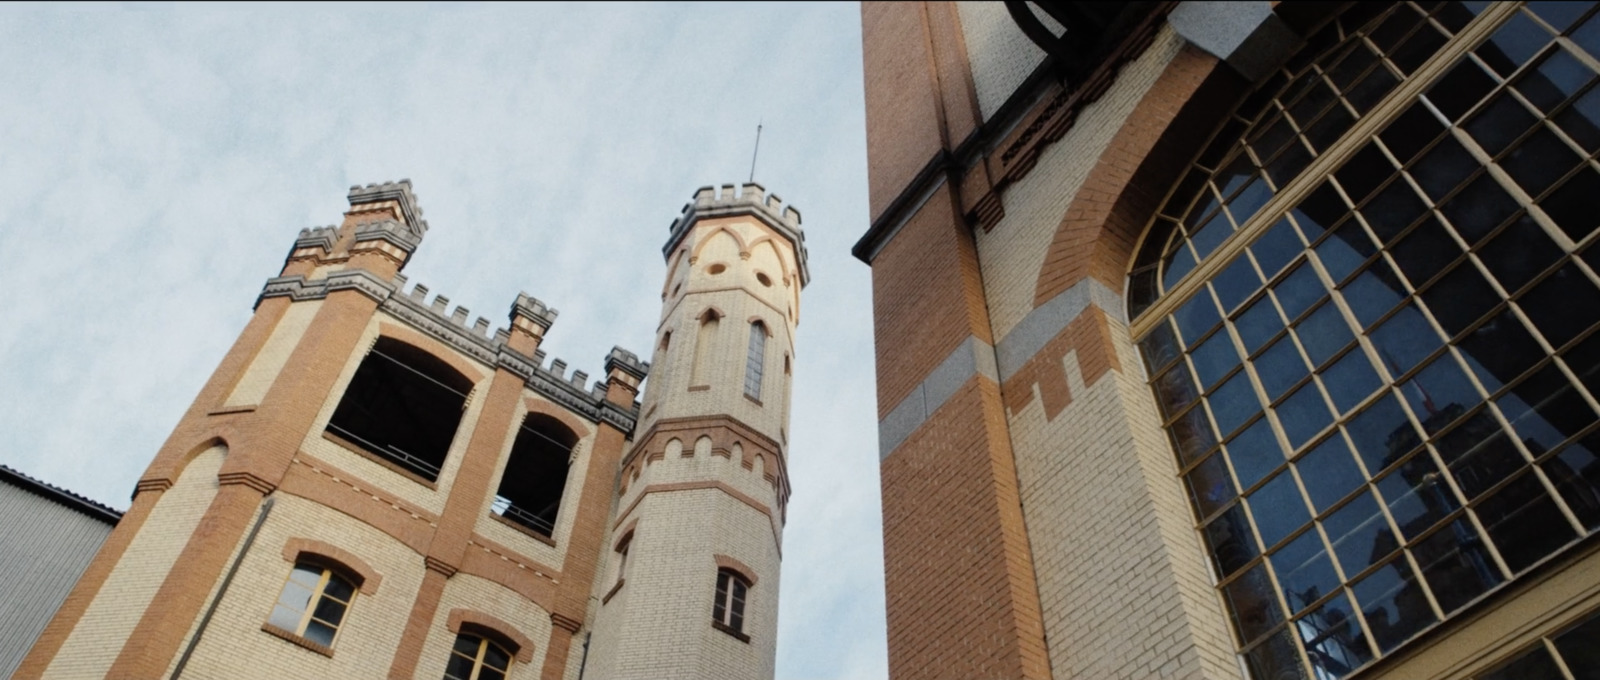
(695, 549)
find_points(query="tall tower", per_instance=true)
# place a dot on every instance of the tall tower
(696, 541)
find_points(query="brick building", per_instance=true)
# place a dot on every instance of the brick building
(1221, 340)
(370, 485)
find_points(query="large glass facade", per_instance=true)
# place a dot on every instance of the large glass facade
(1383, 395)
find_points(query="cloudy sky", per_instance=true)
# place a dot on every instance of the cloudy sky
(156, 162)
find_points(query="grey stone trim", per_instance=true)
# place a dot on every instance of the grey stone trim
(399, 192)
(1046, 321)
(1246, 35)
(622, 360)
(476, 341)
(391, 231)
(532, 309)
(317, 237)
(972, 357)
(752, 199)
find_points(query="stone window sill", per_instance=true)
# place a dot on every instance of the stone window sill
(291, 638)
(726, 629)
(613, 591)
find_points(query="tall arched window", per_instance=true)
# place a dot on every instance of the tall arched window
(1370, 315)
(536, 474)
(312, 605)
(702, 347)
(755, 360)
(403, 405)
(727, 611)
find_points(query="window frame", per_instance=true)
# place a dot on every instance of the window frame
(327, 573)
(728, 608)
(479, 662)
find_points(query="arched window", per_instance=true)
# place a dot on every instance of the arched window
(536, 474)
(403, 405)
(727, 611)
(702, 347)
(475, 657)
(755, 360)
(312, 605)
(1370, 315)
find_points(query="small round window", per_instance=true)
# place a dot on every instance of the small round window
(763, 279)
(718, 269)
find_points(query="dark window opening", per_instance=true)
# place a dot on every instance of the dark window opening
(530, 490)
(404, 405)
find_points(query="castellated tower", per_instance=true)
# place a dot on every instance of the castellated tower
(692, 587)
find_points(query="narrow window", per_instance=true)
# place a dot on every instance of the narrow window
(622, 558)
(755, 361)
(477, 658)
(536, 474)
(402, 405)
(702, 347)
(313, 603)
(727, 613)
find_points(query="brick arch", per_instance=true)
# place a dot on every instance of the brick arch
(163, 474)
(777, 253)
(433, 347)
(326, 554)
(700, 244)
(744, 571)
(1098, 234)
(473, 622)
(542, 407)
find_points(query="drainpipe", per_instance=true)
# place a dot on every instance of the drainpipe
(250, 539)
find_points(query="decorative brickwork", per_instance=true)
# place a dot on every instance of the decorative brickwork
(1090, 339)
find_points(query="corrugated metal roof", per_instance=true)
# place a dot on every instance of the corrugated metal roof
(67, 498)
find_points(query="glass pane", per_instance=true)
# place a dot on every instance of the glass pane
(1249, 200)
(1363, 172)
(1404, 340)
(1443, 168)
(1519, 253)
(1258, 323)
(1236, 283)
(1460, 298)
(329, 611)
(1524, 523)
(1575, 472)
(285, 618)
(1324, 333)
(306, 576)
(1191, 434)
(295, 596)
(1280, 367)
(1275, 659)
(1303, 414)
(1329, 472)
(1176, 266)
(1320, 210)
(1277, 247)
(1298, 291)
(1382, 434)
(1210, 485)
(1393, 209)
(1514, 43)
(1278, 508)
(1346, 250)
(1571, 206)
(1350, 379)
(1255, 453)
(1500, 350)
(1175, 390)
(1456, 566)
(1359, 534)
(1538, 161)
(1557, 77)
(468, 645)
(1580, 648)
(1253, 607)
(1559, 15)
(1334, 640)
(496, 657)
(490, 674)
(1210, 235)
(1417, 495)
(1304, 570)
(1479, 208)
(1393, 603)
(1453, 95)
(1500, 123)
(339, 588)
(1196, 317)
(1545, 409)
(1563, 305)
(1229, 540)
(1214, 358)
(1440, 394)
(1424, 252)
(319, 633)
(459, 667)
(1160, 347)
(1234, 403)
(1479, 454)
(1580, 120)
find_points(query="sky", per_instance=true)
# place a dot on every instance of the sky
(157, 162)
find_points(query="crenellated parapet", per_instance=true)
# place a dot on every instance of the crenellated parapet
(400, 194)
(750, 199)
(728, 438)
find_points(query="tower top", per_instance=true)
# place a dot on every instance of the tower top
(750, 199)
(399, 192)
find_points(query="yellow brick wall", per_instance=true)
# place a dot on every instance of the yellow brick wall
(95, 642)
(470, 592)
(234, 646)
(266, 365)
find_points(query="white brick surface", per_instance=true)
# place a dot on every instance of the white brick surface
(268, 362)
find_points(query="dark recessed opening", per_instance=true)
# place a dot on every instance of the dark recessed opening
(536, 474)
(404, 405)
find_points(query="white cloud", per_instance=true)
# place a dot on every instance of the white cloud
(155, 164)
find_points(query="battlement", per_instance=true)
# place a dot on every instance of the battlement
(317, 237)
(749, 199)
(399, 192)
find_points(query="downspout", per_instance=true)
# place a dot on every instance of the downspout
(584, 662)
(249, 539)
